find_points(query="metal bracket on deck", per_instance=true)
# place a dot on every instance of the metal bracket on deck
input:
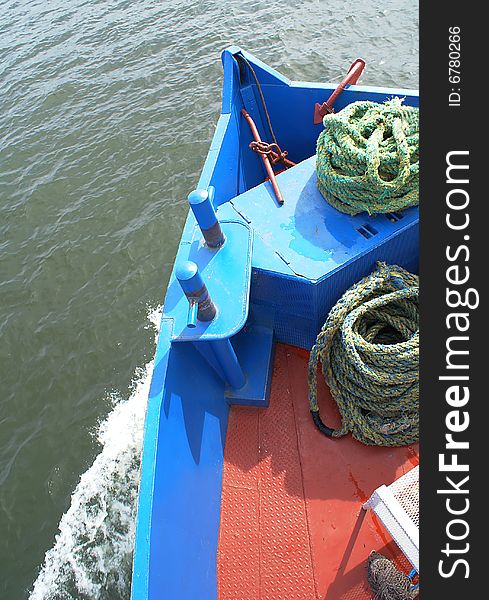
(226, 274)
(208, 300)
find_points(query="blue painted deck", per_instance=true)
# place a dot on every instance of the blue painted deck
(303, 256)
(310, 236)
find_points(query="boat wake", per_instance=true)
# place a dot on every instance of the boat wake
(92, 554)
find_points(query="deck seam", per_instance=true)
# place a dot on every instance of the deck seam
(260, 520)
(237, 486)
(316, 592)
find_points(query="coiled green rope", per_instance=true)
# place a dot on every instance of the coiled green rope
(367, 157)
(369, 353)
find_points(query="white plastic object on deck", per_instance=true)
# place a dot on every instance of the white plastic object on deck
(397, 506)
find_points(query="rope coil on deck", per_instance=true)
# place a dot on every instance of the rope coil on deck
(369, 353)
(386, 581)
(367, 157)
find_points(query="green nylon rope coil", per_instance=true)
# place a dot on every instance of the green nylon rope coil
(369, 353)
(367, 157)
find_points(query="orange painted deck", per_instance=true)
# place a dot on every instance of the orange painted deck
(292, 523)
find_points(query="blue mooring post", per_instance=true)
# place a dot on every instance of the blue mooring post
(201, 203)
(201, 306)
(228, 361)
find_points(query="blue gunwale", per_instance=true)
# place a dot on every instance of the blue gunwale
(187, 414)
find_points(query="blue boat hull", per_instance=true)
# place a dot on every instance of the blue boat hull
(285, 296)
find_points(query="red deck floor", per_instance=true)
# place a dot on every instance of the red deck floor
(292, 523)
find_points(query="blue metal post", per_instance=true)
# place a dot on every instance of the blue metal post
(201, 203)
(228, 361)
(201, 306)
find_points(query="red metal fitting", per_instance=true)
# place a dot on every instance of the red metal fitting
(320, 110)
(265, 154)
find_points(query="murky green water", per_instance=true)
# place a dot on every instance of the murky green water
(107, 109)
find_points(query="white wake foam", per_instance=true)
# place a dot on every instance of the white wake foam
(92, 554)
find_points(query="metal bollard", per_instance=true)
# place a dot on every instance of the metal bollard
(201, 203)
(228, 361)
(201, 306)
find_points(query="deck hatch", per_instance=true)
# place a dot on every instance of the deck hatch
(312, 237)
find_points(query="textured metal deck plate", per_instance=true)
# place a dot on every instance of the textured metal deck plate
(292, 524)
(226, 273)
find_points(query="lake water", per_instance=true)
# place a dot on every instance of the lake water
(107, 109)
